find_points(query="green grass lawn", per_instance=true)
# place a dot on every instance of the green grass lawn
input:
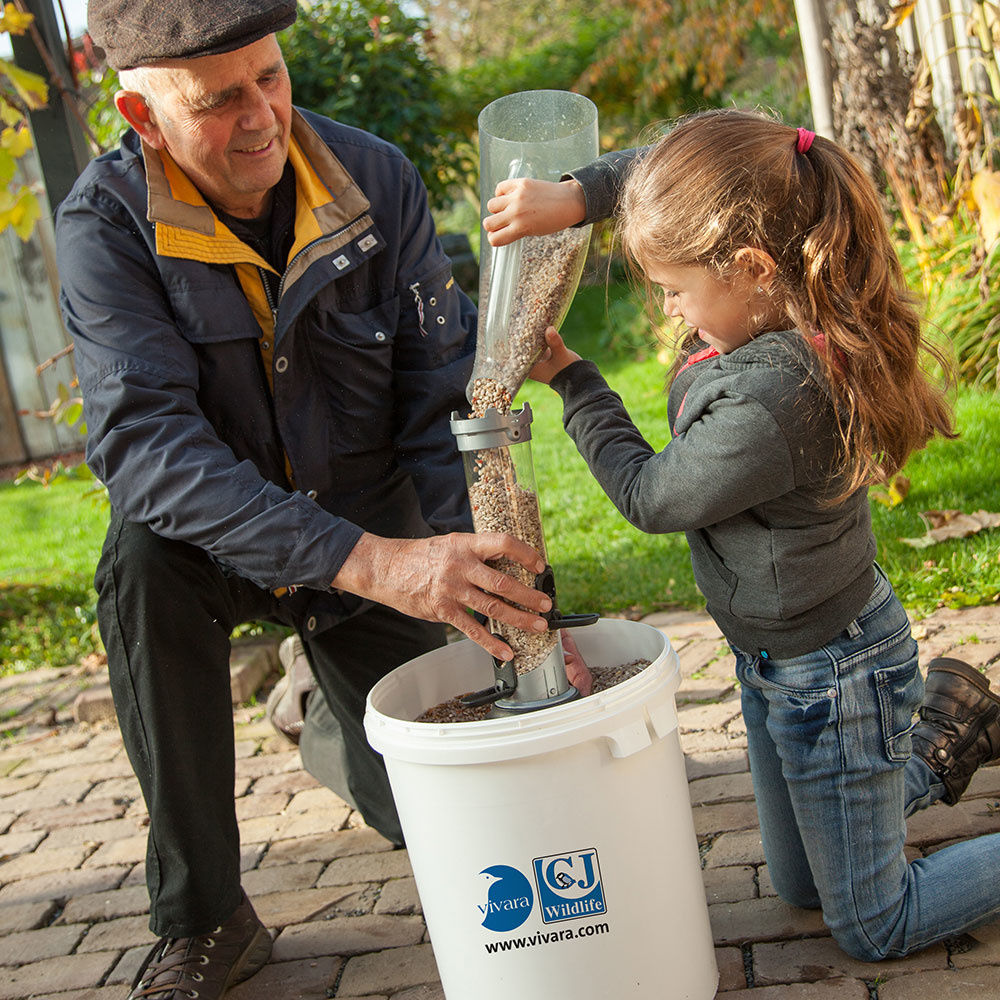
(52, 537)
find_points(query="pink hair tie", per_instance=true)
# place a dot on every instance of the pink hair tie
(804, 141)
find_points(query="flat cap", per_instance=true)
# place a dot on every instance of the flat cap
(138, 32)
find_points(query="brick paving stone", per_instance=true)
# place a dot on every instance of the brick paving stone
(399, 896)
(715, 716)
(263, 804)
(707, 740)
(712, 764)
(729, 885)
(327, 847)
(96, 906)
(61, 885)
(127, 966)
(82, 756)
(694, 656)
(281, 878)
(389, 971)
(69, 972)
(297, 906)
(704, 690)
(429, 991)
(721, 788)
(124, 851)
(25, 916)
(47, 796)
(367, 868)
(725, 816)
(97, 993)
(822, 958)
(68, 815)
(958, 984)
(732, 974)
(46, 942)
(308, 979)
(17, 843)
(985, 783)
(93, 773)
(752, 920)
(12, 785)
(981, 946)
(260, 829)
(122, 932)
(270, 765)
(291, 781)
(124, 788)
(310, 799)
(42, 861)
(347, 936)
(94, 833)
(742, 848)
(942, 823)
(826, 989)
(319, 821)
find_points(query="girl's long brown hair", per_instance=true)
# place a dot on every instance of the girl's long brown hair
(723, 180)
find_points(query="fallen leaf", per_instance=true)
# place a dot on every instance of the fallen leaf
(893, 493)
(943, 525)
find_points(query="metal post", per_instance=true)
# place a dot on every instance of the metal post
(62, 146)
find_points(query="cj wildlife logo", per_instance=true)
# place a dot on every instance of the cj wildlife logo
(569, 887)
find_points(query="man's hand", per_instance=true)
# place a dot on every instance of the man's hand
(438, 578)
(526, 206)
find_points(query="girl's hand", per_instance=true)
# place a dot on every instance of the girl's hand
(527, 206)
(553, 359)
(577, 672)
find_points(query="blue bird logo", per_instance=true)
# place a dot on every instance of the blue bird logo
(509, 899)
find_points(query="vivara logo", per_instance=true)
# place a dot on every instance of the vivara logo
(569, 885)
(509, 898)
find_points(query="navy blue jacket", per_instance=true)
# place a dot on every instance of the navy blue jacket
(179, 349)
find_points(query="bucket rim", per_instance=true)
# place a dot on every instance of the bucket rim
(531, 732)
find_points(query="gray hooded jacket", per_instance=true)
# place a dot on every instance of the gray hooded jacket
(745, 476)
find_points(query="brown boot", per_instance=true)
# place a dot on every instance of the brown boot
(959, 727)
(205, 966)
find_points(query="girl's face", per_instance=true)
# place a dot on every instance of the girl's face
(725, 312)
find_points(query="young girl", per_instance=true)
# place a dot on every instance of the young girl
(800, 384)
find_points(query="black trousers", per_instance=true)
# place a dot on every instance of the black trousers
(166, 612)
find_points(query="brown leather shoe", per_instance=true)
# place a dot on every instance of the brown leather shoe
(205, 966)
(959, 727)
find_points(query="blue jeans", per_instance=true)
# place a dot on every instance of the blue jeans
(829, 743)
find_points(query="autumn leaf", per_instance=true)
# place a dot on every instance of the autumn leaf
(893, 493)
(16, 141)
(943, 525)
(19, 211)
(986, 194)
(30, 87)
(898, 13)
(12, 20)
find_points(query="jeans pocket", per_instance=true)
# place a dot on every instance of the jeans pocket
(900, 690)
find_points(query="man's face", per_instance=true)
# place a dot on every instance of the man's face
(226, 120)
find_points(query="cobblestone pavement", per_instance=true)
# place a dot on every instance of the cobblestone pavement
(342, 904)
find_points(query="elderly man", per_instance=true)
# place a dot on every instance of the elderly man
(269, 342)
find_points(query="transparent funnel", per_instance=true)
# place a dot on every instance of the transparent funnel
(529, 285)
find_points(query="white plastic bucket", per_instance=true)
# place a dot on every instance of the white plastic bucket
(554, 852)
